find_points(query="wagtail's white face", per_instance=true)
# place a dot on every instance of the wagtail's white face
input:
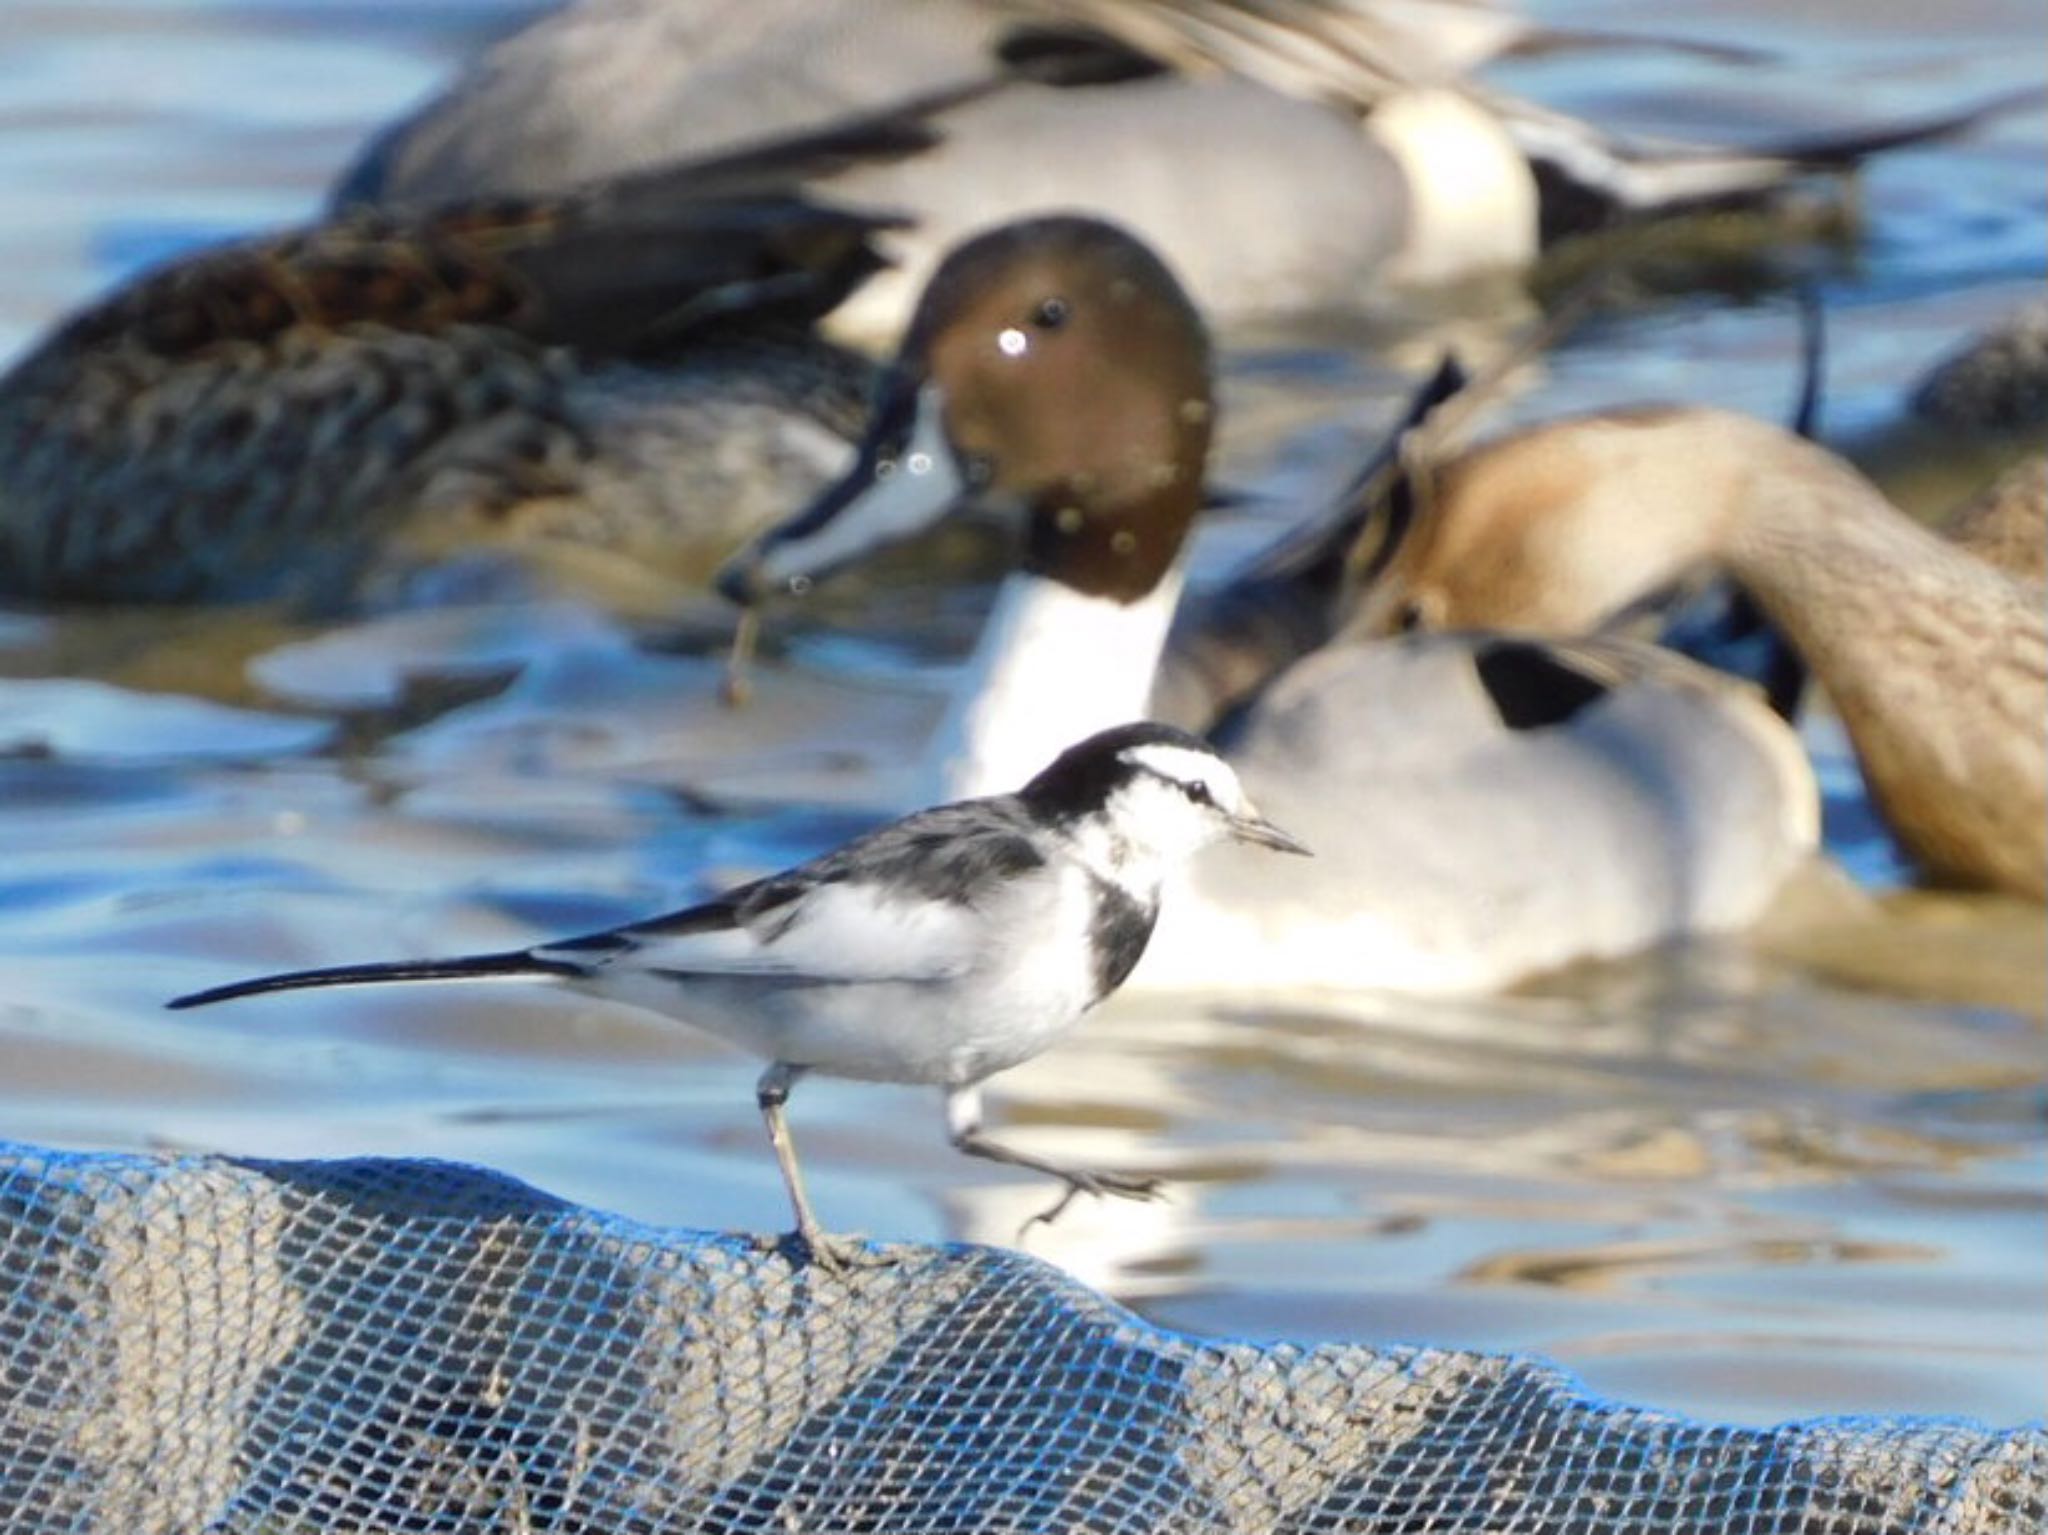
(1151, 795)
(1179, 800)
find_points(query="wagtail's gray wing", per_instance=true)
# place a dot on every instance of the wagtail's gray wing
(908, 902)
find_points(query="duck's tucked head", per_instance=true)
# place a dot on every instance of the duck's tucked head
(1149, 793)
(1054, 367)
(1563, 528)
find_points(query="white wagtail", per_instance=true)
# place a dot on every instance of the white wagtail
(942, 948)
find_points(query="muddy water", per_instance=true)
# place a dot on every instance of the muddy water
(1805, 1174)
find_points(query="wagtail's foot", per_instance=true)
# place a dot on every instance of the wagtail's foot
(1081, 1181)
(833, 1254)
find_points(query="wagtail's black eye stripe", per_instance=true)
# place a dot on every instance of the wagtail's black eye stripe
(1050, 314)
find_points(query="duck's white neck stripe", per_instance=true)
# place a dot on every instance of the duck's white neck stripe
(1052, 667)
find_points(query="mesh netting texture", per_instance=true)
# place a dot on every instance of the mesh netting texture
(364, 1348)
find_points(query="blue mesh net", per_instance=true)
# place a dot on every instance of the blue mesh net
(372, 1347)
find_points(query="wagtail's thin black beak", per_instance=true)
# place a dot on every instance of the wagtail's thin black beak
(1249, 826)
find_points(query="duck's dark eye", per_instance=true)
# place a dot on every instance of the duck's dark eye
(1050, 314)
(1199, 793)
(1408, 617)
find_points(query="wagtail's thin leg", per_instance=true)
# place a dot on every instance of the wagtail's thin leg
(963, 1128)
(772, 1093)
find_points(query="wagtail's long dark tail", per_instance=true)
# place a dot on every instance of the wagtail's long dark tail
(470, 967)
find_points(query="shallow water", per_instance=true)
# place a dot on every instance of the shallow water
(1750, 1180)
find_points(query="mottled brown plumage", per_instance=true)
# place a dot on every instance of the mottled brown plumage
(1997, 381)
(2007, 523)
(288, 417)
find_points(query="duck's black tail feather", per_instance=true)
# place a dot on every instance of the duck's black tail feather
(1588, 180)
(513, 962)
